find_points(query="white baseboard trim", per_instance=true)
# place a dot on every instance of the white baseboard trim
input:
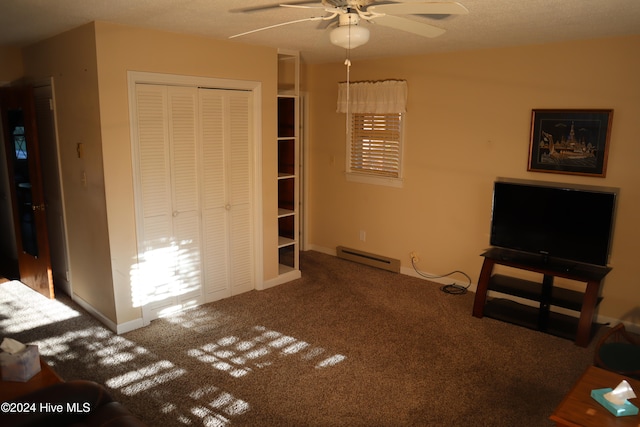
(123, 328)
(94, 312)
(283, 278)
(408, 271)
(322, 249)
(114, 327)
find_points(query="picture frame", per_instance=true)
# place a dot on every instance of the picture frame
(574, 142)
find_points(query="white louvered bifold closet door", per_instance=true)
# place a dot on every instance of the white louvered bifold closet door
(169, 245)
(183, 130)
(194, 198)
(228, 262)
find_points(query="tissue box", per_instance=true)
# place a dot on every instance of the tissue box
(617, 410)
(20, 366)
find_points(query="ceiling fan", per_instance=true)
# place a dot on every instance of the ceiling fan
(348, 32)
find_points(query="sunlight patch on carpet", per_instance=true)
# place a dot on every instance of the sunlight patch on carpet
(29, 309)
(331, 361)
(220, 408)
(212, 406)
(147, 377)
(240, 356)
(133, 370)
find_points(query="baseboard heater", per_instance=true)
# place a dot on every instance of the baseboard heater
(366, 258)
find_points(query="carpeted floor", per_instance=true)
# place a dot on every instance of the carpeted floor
(346, 345)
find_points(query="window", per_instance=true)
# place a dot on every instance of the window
(375, 118)
(20, 143)
(376, 144)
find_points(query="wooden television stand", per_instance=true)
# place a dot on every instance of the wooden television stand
(545, 294)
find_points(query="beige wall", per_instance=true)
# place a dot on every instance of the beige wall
(468, 122)
(70, 58)
(124, 48)
(89, 66)
(11, 67)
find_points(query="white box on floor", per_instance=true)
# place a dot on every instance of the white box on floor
(20, 366)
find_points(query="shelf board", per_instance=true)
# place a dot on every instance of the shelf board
(285, 176)
(555, 267)
(285, 241)
(284, 269)
(285, 212)
(560, 297)
(515, 313)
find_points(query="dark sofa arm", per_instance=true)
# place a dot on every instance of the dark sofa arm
(73, 403)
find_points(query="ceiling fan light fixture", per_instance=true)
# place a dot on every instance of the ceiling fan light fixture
(349, 36)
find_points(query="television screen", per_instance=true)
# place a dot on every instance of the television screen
(555, 220)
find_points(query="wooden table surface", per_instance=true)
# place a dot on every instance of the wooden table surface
(10, 390)
(578, 408)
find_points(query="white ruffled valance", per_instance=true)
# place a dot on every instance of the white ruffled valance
(382, 97)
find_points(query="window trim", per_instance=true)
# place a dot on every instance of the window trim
(372, 178)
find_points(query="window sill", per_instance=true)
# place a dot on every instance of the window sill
(377, 180)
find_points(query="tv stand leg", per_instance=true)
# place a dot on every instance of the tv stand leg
(483, 285)
(583, 335)
(545, 303)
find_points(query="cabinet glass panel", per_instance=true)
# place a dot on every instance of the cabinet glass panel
(22, 179)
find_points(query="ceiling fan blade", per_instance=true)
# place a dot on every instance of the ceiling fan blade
(422, 8)
(415, 27)
(302, 6)
(315, 18)
(272, 6)
(326, 23)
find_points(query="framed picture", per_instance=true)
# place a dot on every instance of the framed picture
(572, 142)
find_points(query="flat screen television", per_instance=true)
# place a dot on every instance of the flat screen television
(557, 221)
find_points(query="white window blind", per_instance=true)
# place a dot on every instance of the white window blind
(375, 144)
(375, 120)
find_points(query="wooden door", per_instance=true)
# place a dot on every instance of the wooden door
(52, 186)
(27, 196)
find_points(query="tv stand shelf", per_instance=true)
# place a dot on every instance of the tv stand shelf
(544, 294)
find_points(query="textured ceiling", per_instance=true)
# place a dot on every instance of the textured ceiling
(490, 23)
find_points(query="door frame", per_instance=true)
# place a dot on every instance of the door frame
(59, 249)
(141, 77)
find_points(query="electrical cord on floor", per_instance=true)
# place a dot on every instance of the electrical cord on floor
(452, 288)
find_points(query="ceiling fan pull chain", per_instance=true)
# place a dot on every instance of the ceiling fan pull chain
(347, 62)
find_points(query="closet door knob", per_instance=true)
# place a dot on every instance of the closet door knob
(175, 213)
(227, 207)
